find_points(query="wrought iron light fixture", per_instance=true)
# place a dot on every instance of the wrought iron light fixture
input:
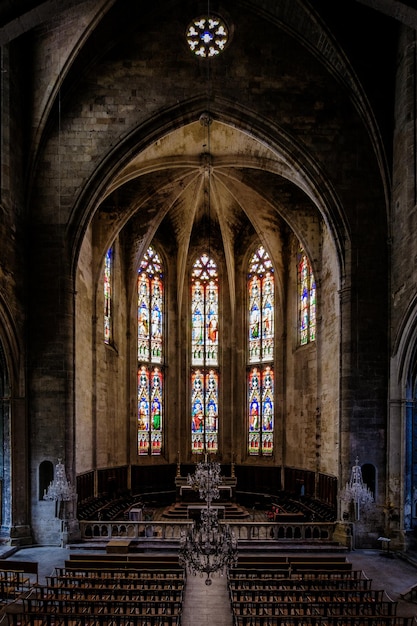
(209, 546)
(60, 489)
(356, 491)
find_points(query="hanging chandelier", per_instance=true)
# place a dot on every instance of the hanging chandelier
(60, 489)
(209, 546)
(206, 480)
(356, 491)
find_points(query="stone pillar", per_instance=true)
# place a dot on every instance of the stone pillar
(20, 531)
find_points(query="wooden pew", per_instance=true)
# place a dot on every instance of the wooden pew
(85, 619)
(113, 593)
(109, 571)
(27, 567)
(313, 566)
(297, 594)
(349, 583)
(291, 620)
(333, 558)
(169, 559)
(137, 584)
(315, 607)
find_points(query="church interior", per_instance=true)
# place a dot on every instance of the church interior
(208, 233)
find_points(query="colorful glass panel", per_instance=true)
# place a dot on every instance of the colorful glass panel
(267, 317)
(254, 319)
(261, 307)
(150, 351)
(211, 410)
(108, 278)
(156, 411)
(143, 411)
(307, 299)
(197, 410)
(261, 411)
(143, 317)
(204, 410)
(197, 323)
(207, 36)
(204, 355)
(261, 322)
(156, 319)
(254, 403)
(211, 326)
(312, 320)
(267, 411)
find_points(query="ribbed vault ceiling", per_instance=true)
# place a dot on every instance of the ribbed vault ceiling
(208, 176)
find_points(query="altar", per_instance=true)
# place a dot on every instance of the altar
(194, 510)
(188, 494)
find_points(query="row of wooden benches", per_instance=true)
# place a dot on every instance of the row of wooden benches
(113, 571)
(66, 619)
(325, 608)
(318, 593)
(125, 584)
(14, 582)
(266, 583)
(41, 606)
(105, 596)
(344, 620)
(324, 594)
(116, 593)
(245, 574)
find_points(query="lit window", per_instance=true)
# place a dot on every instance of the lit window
(204, 356)
(306, 299)
(150, 354)
(207, 36)
(261, 411)
(107, 288)
(260, 382)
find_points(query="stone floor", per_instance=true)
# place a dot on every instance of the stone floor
(209, 605)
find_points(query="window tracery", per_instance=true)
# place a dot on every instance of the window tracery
(207, 36)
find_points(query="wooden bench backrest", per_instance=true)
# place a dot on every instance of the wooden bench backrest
(28, 567)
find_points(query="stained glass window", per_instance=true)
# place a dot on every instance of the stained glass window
(261, 325)
(207, 36)
(306, 299)
(150, 290)
(107, 288)
(204, 355)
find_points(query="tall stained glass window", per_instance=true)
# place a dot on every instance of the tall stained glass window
(150, 354)
(306, 299)
(108, 304)
(204, 355)
(261, 327)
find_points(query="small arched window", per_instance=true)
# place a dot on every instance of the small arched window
(150, 292)
(306, 300)
(260, 378)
